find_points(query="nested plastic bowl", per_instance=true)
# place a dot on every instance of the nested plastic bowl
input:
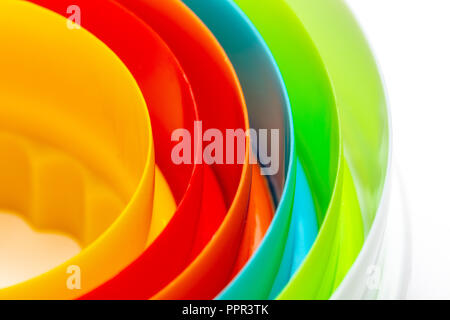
(269, 108)
(161, 79)
(261, 212)
(344, 59)
(344, 153)
(168, 95)
(76, 144)
(220, 106)
(361, 96)
(171, 106)
(318, 139)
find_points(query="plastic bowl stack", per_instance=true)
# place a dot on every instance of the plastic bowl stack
(221, 149)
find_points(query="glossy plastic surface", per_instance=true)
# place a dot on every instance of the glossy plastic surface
(171, 106)
(361, 97)
(319, 143)
(269, 108)
(359, 94)
(167, 92)
(220, 106)
(164, 206)
(82, 154)
(212, 77)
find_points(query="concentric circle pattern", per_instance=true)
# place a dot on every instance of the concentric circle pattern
(265, 171)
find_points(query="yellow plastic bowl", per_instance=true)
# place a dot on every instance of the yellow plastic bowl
(76, 151)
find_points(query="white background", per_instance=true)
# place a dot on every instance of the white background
(411, 40)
